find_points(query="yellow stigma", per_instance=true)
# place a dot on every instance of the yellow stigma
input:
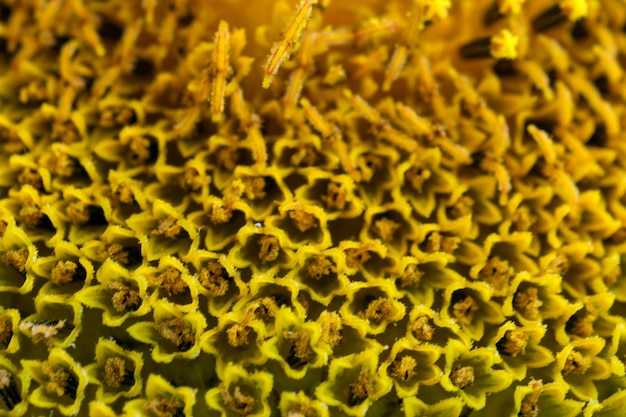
(574, 9)
(504, 45)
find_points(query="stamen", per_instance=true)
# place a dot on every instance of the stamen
(168, 227)
(16, 258)
(178, 332)
(529, 406)
(357, 256)
(60, 381)
(435, 10)
(285, 46)
(44, 331)
(220, 70)
(269, 248)
(125, 298)
(266, 308)
(566, 10)
(463, 308)
(410, 277)
(401, 51)
(462, 376)
(385, 229)
(238, 402)
(6, 330)
(513, 343)
(403, 368)
(503, 45)
(422, 329)
(64, 272)
(31, 177)
(214, 278)
(373, 29)
(331, 328)
(237, 335)
(330, 133)
(298, 77)
(171, 281)
(164, 407)
(302, 219)
(300, 352)
(527, 302)
(80, 213)
(576, 363)
(320, 266)
(115, 373)
(378, 310)
(361, 389)
(580, 325)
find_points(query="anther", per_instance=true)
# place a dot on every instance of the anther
(559, 13)
(503, 45)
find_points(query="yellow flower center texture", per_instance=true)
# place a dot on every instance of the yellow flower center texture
(314, 208)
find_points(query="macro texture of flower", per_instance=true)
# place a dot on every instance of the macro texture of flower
(312, 208)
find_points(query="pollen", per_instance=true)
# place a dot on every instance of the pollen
(576, 363)
(16, 258)
(214, 278)
(385, 228)
(320, 266)
(357, 256)
(124, 298)
(168, 227)
(164, 407)
(464, 309)
(331, 328)
(513, 343)
(6, 332)
(178, 332)
(171, 281)
(528, 303)
(60, 381)
(63, 272)
(238, 402)
(378, 310)
(114, 372)
(238, 335)
(300, 351)
(530, 408)
(462, 376)
(403, 369)
(302, 220)
(43, 331)
(422, 329)
(361, 388)
(78, 212)
(269, 248)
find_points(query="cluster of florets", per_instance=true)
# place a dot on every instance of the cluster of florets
(409, 208)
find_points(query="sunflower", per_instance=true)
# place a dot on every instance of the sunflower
(312, 207)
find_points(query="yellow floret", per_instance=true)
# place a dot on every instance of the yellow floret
(504, 45)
